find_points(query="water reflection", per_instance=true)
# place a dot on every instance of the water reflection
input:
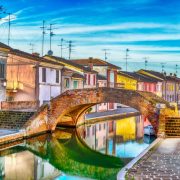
(123, 138)
(96, 151)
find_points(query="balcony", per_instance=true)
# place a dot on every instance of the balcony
(14, 86)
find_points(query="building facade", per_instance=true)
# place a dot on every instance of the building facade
(106, 70)
(170, 85)
(31, 78)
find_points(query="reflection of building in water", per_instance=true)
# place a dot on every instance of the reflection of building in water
(107, 136)
(139, 127)
(126, 128)
(98, 136)
(25, 165)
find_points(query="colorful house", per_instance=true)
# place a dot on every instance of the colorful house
(140, 82)
(106, 70)
(75, 76)
(31, 78)
(4, 49)
(127, 80)
(170, 85)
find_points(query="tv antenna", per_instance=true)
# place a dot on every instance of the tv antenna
(70, 46)
(32, 47)
(51, 34)
(106, 53)
(126, 58)
(163, 66)
(146, 62)
(176, 69)
(61, 45)
(43, 36)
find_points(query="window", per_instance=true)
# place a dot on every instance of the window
(111, 76)
(57, 76)
(75, 84)
(89, 78)
(66, 82)
(2, 70)
(99, 127)
(93, 130)
(94, 79)
(43, 74)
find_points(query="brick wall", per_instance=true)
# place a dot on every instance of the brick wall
(19, 105)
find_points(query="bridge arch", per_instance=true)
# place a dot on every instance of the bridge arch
(73, 103)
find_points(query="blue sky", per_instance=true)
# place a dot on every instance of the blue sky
(148, 28)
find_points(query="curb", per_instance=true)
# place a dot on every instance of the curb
(123, 171)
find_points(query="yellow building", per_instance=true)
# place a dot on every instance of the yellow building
(127, 80)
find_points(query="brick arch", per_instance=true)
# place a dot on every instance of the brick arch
(68, 107)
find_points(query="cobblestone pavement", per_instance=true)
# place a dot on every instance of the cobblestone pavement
(162, 162)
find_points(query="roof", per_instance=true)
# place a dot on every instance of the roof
(78, 76)
(162, 75)
(2, 45)
(95, 62)
(64, 61)
(100, 77)
(155, 73)
(33, 57)
(139, 77)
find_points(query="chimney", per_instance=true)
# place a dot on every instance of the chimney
(35, 54)
(90, 64)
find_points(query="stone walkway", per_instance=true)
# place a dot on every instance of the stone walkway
(161, 163)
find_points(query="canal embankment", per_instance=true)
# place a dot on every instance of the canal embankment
(113, 114)
(11, 125)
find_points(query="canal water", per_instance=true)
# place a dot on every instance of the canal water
(93, 151)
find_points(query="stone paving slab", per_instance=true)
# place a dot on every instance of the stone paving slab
(162, 162)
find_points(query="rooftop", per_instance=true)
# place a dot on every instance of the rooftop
(2, 45)
(33, 57)
(139, 77)
(162, 75)
(64, 61)
(95, 62)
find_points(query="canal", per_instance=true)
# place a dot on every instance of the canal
(94, 151)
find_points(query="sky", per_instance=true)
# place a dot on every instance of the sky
(148, 28)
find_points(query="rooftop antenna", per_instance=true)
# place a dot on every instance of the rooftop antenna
(105, 54)
(61, 45)
(126, 58)
(70, 45)
(162, 66)
(43, 34)
(51, 34)
(176, 69)
(32, 47)
(146, 62)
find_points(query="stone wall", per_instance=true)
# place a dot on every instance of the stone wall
(19, 105)
(14, 119)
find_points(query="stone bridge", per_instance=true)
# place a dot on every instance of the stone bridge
(68, 108)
